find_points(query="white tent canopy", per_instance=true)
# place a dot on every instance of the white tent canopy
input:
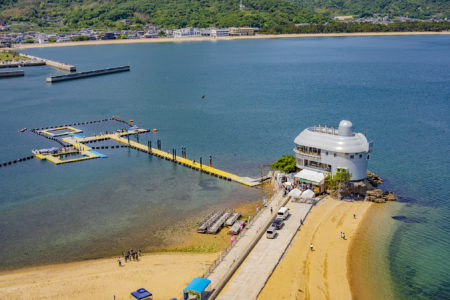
(308, 194)
(295, 193)
(311, 176)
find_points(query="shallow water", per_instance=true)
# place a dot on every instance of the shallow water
(259, 94)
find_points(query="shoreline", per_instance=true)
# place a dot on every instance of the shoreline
(372, 245)
(163, 274)
(228, 38)
(322, 273)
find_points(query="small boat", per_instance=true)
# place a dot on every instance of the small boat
(23, 130)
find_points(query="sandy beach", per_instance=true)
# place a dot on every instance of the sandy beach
(322, 273)
(226, 38)
(163, 274)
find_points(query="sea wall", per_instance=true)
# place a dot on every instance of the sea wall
(52, 63)
(87, 74)
(11, 73)
(24, 64)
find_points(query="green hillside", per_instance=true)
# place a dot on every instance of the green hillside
(422, 9)
(75, 14)
(168, 13)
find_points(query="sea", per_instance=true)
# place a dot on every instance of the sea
(242, 102)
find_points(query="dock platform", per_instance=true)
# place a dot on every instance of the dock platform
(78, 143)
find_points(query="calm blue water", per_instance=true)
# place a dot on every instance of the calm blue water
(259, 95)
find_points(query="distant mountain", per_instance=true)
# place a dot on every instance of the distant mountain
(410, 8)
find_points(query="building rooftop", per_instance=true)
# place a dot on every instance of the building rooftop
(342, 140)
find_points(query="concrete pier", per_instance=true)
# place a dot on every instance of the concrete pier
(11, 74)
(24, 64)
(87, 74)
(52, 63)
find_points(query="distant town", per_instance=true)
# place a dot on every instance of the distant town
(9, 37)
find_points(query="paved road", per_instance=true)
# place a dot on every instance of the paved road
(250, 236)
(260, 263)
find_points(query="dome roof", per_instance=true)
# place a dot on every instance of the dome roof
(342, 141)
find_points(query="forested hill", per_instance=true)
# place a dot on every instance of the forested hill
(422, 9)
(168, 13)
(73, 14)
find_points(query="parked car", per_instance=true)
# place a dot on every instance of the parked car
(277, 224)
(271, 232)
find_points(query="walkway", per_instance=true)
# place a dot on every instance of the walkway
(260, 263)
(248, 239)
(77, 142)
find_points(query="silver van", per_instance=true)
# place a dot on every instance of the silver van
(283, 213)
(271, 232)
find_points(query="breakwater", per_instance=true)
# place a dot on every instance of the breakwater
(23, 64)
(11, 74)
(52, 63)
(87, 74)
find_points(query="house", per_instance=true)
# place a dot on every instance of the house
(239, 31)
(186, 32)
(220, 32)
(327, 150)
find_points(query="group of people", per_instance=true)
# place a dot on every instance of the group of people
(129, 255)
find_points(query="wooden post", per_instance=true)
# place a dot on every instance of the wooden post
(200, 163)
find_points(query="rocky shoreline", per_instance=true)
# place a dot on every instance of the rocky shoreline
(366, 190)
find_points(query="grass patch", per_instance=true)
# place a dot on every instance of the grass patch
(11, 55)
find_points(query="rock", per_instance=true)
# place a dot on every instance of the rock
(379, 200)
(391, 196)
(374, 178)
(377, 193)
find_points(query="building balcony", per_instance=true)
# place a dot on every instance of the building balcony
(309, 154)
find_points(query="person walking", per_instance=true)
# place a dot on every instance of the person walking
(311, 247)
(120, 262)
(271, 210)
(343, 235)
(340, 234)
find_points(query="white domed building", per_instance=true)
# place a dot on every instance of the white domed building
(321, 149)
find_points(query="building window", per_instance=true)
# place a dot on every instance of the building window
(368, 156)
(326, 152)
(360, 156)
(352, 156)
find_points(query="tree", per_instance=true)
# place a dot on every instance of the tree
(286, 163)
(341, 177)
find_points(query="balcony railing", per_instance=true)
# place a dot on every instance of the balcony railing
(311, 154)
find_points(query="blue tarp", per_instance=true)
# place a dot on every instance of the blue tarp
(76, 135)
(99, 154)
(141, 294)
(197, 285)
